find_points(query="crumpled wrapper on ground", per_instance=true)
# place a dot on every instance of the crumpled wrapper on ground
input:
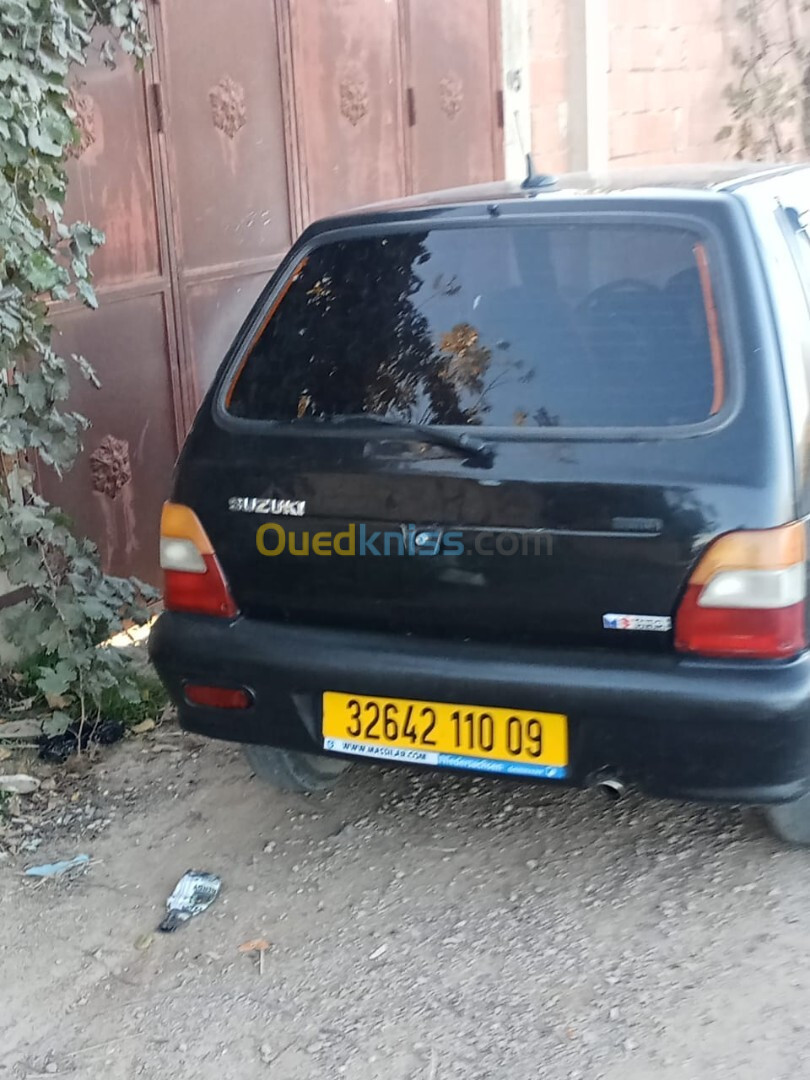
(194, 892)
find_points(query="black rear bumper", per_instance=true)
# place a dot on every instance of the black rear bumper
(695, 729)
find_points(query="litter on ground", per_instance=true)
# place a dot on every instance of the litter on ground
(56, 869)
(194, 892)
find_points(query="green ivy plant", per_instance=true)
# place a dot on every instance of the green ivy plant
(769, 100)
(71, 607)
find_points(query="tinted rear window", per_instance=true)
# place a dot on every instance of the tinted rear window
(533, 326)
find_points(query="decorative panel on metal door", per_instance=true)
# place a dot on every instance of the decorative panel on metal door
(348, 91)
(455, 95)
(115, 491)
(224, 127)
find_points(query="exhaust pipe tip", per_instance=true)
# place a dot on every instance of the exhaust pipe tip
(612, 788)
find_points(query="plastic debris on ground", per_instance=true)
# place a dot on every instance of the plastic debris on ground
(19, 784)
(58, 748)
(57, 868)
(194, 892)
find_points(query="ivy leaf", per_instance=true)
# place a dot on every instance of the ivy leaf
(52, 63)
(57, 124)
(27, 521)
(53, 638)
(108, 54)
(17, 134)
(97, 610)
(33, 391)
(56, 680)
(85, 239)
(39, 140)
(56, 724)
(118, 14)
(130, 692)
(43, 272)
(79, 268)
(86, 369)
(87, 293)
(14, 12)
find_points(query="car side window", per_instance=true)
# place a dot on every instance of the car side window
(793, 217)
(796, 223)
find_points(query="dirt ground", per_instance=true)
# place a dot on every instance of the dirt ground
(422, 926)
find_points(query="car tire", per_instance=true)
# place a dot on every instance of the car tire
(791, 821)
(292, 770)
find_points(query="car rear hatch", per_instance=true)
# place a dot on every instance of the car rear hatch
(587, 366)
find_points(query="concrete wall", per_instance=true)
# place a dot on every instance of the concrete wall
(668, 62)
(548, 80)
(517, 100)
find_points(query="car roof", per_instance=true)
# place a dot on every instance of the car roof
(722, 177)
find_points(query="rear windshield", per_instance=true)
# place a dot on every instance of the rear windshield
(534, 326)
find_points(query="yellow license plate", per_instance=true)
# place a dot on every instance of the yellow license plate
(517, 742)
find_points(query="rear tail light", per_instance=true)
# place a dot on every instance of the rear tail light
(746, 596)
(193, 581)
(216, 697)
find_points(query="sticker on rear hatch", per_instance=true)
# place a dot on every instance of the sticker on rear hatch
(657, 623)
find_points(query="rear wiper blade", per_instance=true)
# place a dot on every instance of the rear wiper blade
(475, 449)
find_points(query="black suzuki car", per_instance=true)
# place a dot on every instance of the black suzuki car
(514, 479)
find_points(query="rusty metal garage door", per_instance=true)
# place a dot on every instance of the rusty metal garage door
(115, 490)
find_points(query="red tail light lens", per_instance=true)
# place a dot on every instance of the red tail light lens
(193, 581)
(199, 594)
(216, 697)
(746, 596)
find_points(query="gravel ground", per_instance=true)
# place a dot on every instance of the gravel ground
(422, 926)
